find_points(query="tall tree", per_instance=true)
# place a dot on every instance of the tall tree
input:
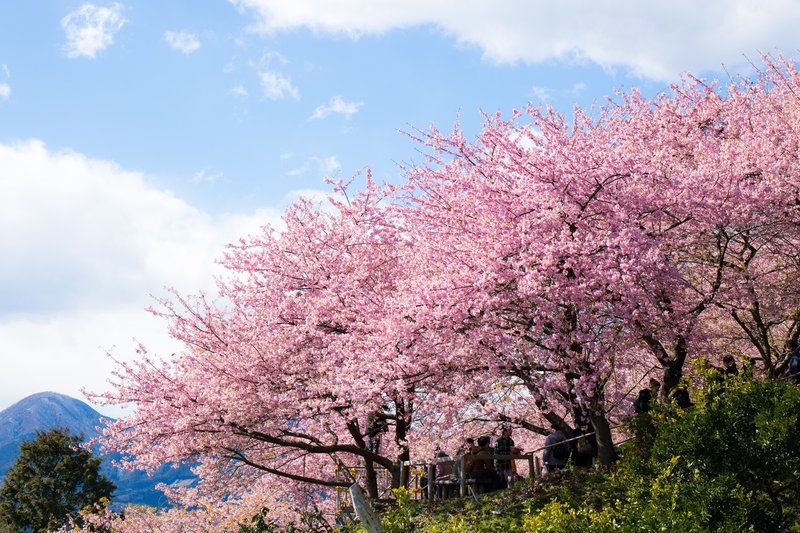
(535, 275)
(52, 480)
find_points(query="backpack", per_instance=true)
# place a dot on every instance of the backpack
(561, 452)
(794, 363)
(584, 447)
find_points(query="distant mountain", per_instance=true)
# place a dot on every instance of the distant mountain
(48, 410)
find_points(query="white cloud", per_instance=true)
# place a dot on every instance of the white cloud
(84, 243)
(90, 29)
(652, 39)
(277, 86)
(328, 165)
(325, 166)
(182, 41)
(5, 91)
(578, 88)
(239, 91)
(267, 59)
(299, 171)
(206, 176)
(336, 105)
(542, 94)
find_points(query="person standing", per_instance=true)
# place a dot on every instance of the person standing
(503, 446)
(556, 451)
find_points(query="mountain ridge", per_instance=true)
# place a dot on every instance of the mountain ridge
(44, 411)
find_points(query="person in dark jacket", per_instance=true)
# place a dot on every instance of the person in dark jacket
(642, 402)
(584, 450)
(555, 455)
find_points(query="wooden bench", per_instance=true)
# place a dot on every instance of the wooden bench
(450, 481)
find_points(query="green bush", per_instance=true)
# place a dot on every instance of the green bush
(730, 463)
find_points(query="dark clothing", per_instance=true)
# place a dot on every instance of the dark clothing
(793, 372)
(479, 461)
(554, 458)
(642, 402)
(478, 468)
(681, 397)
(584, 451)
(503, 446)
(730, 369)
(376, 426)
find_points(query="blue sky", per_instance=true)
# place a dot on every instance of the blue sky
(138, 137)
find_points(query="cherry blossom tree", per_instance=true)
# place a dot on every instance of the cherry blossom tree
(534, 275)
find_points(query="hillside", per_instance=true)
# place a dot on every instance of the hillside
(47, 410)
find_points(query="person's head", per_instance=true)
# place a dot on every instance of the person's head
(505, 431)
(681, 397)
(469, 441)
(484, 441)
(728, 361)
(654, 384)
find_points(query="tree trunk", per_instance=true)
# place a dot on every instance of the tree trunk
(400, 435)
(371, 479)
(605, 445)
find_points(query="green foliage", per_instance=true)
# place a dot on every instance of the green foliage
(400, 520)
(730, 463)
(51, 481)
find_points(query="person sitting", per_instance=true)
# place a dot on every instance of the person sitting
(443, 474)
(478, 465)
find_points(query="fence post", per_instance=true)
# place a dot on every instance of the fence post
(462, 475)
(431, 479)
(366, 515)
(531, 466)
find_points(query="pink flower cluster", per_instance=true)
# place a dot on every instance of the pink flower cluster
(534, 275)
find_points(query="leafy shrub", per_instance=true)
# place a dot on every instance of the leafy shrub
(730, 463)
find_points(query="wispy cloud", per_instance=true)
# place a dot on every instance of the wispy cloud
(206, 176)
(182, 41)
(276, 86)
(337, 105)
(5, 88)
(90, 29)
(328, 165)
(325, 166)
(299, 171)
(578, 88)
(239, 91)
(543, 94)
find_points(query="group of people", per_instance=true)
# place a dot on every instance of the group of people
(580, 451)
(489, 467)
(480, 464)
(483, 462)
(680, 395)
